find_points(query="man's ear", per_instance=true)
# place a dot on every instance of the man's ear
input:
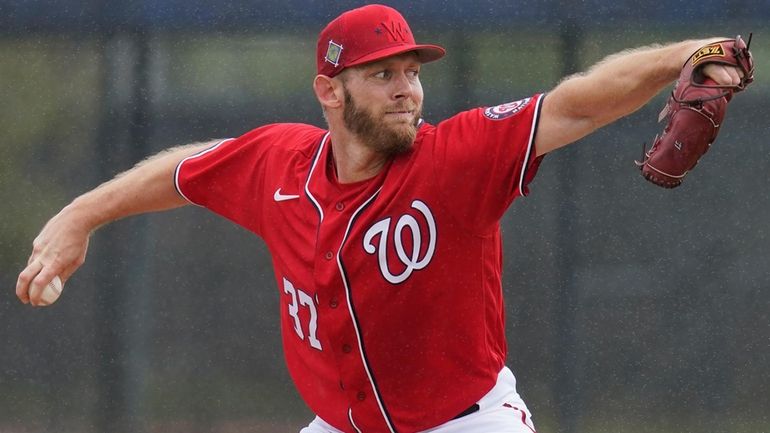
(328, 91)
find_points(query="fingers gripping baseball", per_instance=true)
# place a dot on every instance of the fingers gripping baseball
(59, 250)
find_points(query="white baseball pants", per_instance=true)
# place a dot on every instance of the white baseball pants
(501, 410)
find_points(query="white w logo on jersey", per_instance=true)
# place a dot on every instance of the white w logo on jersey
(411, 259)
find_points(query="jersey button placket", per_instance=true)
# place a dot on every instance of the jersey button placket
(354, 381)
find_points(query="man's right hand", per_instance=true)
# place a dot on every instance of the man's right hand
(59, 249)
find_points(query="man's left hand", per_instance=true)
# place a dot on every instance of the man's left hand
(724, 75)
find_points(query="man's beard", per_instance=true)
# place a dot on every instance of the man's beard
(375, 133)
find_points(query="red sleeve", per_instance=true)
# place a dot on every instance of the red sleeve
(229, 177)
(485, 158)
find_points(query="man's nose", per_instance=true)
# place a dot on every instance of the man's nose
(402, 86)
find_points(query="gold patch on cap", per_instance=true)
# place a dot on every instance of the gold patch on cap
(333, 53)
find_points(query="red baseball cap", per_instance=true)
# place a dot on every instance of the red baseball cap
(365, 35)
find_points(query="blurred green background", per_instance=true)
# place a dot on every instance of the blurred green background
(630, 308)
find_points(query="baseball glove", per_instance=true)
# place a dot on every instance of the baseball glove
(694, 112)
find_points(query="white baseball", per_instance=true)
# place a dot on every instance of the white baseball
(51, 292)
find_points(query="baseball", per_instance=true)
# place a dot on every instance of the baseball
(51, 292)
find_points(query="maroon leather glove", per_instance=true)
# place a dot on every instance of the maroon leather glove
(694, 113)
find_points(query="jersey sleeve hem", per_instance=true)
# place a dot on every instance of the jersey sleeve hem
(530, 160)
(178, 183)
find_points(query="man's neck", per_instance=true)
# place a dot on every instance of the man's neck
(354, 161)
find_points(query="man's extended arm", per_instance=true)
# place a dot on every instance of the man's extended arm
(61, 246)
(613, 88)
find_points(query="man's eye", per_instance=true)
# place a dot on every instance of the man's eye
(381, 74)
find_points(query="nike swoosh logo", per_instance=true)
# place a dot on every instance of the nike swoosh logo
(283, 197)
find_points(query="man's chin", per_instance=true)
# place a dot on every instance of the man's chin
(402, 140)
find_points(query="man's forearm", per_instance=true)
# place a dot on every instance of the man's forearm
(613, 88)
(147, 187)
(60, 248)
(624, 82)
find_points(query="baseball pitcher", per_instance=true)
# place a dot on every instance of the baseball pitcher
(384, 229)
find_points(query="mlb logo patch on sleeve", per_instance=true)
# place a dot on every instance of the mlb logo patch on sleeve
(503, 111)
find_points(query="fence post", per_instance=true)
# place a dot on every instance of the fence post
(567, 393)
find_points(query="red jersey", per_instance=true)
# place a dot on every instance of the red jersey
(391, 295)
